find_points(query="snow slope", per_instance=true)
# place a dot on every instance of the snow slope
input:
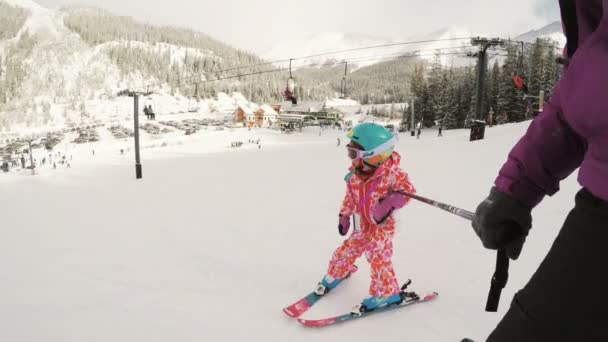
(73, 78)
(213, 242)
(27, 4)
(177, 54)
(67, 70)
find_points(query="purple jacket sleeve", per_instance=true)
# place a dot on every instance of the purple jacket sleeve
(548, 152)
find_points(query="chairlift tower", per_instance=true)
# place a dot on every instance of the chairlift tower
(482, 58)
(478, 125)
(135, 95)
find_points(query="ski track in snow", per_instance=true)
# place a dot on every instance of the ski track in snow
(213, 242)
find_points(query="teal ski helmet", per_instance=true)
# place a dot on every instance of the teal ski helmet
(378, 143)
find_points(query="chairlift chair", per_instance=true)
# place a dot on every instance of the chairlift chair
(343, 82)
(289, 93)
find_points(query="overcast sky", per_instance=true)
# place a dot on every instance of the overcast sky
(257, 25)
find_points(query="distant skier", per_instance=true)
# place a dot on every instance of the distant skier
(566, 298)
(440, 134)
(338, 141)
(418, 129)
(373, 186)
(151, 113)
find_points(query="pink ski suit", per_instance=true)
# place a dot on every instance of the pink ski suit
(373, 239)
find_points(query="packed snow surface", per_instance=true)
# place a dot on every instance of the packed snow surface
(214, 241)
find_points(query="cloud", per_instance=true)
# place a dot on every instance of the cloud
(547, 9)
(235, 21)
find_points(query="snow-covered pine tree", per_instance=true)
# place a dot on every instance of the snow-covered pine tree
(510, 98)
(552, 70)
(436, 87)
(493, 87)
(536, 67)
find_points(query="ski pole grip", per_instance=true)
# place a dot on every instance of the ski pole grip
(499, 280)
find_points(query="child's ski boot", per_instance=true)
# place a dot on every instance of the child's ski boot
(328, 282)
(372, 303)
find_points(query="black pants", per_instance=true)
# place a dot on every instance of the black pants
(567, 298)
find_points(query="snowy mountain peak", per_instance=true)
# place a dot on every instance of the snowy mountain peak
(321, 43)
(553, 31)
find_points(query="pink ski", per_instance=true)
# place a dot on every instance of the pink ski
(352, 316)
(298, 308)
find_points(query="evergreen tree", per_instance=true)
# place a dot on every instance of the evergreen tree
(552, 71)
(536, 67)
(420, 92)
(510, 98)
(451, 100)
(12, 19)
(494, 87)
(424, 111)
(436, 88)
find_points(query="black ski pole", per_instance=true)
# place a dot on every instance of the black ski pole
(501, 272)
(499, 280)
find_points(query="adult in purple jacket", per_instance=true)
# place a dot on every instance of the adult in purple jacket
(567, 297)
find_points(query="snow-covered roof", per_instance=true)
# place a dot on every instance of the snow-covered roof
(341, 103)
(268, 110)
(247, 110)
(305, 106)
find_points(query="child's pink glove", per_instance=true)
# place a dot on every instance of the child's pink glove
(343, 224)
(385, 206)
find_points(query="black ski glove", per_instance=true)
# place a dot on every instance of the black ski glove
(502, 222)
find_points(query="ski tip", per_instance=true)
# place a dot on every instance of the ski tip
(298, 308)
(317, 322)
(430, 296)
(290, 313)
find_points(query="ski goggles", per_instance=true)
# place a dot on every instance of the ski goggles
(355, 153)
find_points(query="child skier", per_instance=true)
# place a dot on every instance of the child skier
(373, 192)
